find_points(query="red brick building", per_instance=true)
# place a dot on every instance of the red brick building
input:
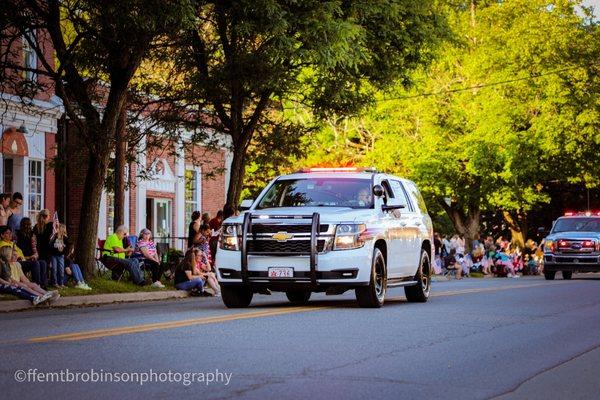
(180, 182)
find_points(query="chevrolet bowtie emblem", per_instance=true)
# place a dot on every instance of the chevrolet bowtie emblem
(282, 236)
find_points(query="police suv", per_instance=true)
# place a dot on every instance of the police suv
(328, 230)
(573, 245)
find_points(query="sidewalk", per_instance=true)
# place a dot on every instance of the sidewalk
(92, 300)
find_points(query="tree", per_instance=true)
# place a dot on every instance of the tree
(98, 45)
(509, 105)
(243, 59)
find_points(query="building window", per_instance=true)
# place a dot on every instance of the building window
(36, 184)
(191, 194)
(29, 56)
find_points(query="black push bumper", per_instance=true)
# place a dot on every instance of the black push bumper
(587, 263)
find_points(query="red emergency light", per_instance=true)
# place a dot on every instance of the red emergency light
(338, 169)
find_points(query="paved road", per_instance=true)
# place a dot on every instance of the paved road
(476, 338)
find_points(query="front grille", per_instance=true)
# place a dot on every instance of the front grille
(571, 260)
(289, 247)
(289, 228)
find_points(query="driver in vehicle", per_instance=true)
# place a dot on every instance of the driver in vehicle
(364, 198)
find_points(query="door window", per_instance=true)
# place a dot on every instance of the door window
(400, 195)
(162, 221)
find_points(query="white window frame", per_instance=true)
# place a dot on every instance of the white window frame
(198, 194)
(30, 59)
(33, 213)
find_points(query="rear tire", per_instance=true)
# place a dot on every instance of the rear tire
(549, 275)
(373, 296)
(419, 293)
(567, 274)
(236, 296)
(298, 297)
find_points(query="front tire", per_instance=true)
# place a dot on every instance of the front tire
(373, 296)
(298, 297)
(549, 275)
(567, 274)
(236, 297)
(419, 293)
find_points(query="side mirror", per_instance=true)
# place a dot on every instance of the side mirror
(385, 207)
(378, 191)
(541, 230)
(246, 204)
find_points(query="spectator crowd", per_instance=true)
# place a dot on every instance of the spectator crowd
(490, 257)
(37, 257)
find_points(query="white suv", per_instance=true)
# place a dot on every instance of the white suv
(328, 230)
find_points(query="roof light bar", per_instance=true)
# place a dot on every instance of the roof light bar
(338, 169)
(582, 213)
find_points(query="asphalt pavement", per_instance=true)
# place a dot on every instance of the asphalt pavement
(475, 339)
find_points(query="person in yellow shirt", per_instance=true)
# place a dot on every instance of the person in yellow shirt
(114, 256)
(8, 255)
(37, 268)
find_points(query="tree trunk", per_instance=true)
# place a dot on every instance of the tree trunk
(517, 226)
(119, 173)
(237, 173)
(465, 224)
(90, 212)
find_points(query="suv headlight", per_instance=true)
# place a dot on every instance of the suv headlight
(349, 236)
(231, 236)
(549, 246)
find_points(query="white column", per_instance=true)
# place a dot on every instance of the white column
(180, 196)
(21, 181)
(228, 161)
(126, 203)
(102, 218)
(140, 186)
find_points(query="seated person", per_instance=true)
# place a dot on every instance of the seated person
(114, 254)
(146, 249)
(503, 260)
(72, 270)
(204, 267)
(185, 279)
(451, 263)
(29, 263)
(6, 287)
(17, 278)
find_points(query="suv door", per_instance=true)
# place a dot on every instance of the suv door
(389, 221)
(410, 221)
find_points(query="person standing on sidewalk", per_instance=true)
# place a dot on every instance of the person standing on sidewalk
(14, 221)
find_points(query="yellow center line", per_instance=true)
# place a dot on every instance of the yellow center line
(169, 325)
(93, 334)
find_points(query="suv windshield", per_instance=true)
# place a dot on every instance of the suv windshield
(577, 224)
(319, 192)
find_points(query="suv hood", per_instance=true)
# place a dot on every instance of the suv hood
(328, 215)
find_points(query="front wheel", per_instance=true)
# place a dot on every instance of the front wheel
(549, 275)
(419, 293)
(567, 274)
(236, 297)
(373, 296)
(298, 297)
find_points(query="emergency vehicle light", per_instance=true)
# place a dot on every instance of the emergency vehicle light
(339, 169)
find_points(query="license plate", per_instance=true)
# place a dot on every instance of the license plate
(281, 272)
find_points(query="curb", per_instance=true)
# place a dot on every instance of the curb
(93, 300)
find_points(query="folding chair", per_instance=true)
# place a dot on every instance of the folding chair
(117, 270)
